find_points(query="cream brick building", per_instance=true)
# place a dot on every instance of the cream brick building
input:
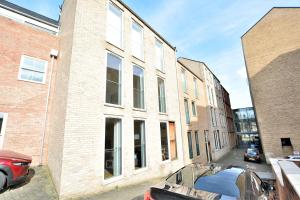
(212, 120)
(115, 112)
(272, 54)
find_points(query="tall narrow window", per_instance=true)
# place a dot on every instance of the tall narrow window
(183, 80)
(137, 40)
(113, 79)
(197, 143)
(161, 95)
(212, 116)
(114, 25)
(138, 87)
(113, 148)
(139, 144)
(196, 92)
(164, 141)
(159, 62)
(187, 112)
(194, 109)
(32, 69)
(173, 146)
(190, 145)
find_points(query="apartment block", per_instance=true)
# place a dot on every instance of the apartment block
(272, 51)
(215, 133)
(26, 69)
(192, 100)
(115, 107)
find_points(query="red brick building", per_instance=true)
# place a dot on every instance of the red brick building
(26, 40)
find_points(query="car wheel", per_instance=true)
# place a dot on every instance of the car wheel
(2, 180)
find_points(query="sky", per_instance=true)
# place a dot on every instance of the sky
(206, 30)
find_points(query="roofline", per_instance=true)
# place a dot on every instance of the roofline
(263, 18)
(55, 25)
(189, 70)
(144, 22)
(203, 64)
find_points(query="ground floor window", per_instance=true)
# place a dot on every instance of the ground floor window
(139, 144)
(164, 141)
(197, 143)
(113, 148)
(190, 145)
(217, 139)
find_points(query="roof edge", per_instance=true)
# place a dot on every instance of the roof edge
(144, 22)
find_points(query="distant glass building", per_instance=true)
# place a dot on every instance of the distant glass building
(245, 127)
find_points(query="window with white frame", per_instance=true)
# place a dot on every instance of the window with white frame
(197, 143)
(161, 95)
(159, 62)
(138, 87)
(139, 144)
(194, 112)
(190, 142)
(187, 112)
(164, 141)
(183, 80)
(114, 28)
(113, 79)
(32, 69)
(137, 40)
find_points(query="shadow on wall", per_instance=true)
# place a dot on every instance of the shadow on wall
(276, 95)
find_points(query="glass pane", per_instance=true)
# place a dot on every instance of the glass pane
(113, 148)
(32, 75)
(164, 141)
(113, 82)
(33, 64)
(197, 143)
(187, 113)
(194, 108)
(138, 87)
(159, 55)
(161, 95)
(190, 145)
(137, 39)
(114, 25)
(139, 144)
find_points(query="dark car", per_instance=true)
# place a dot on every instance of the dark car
(252, 154)
(196, 181)
(13, 168)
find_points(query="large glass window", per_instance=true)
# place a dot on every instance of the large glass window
(194, 108)
(32, 69)
(161, 95)
(183, 80)
(137, 40)
(159, 62)
(190, 145)
(187, 112)
(113, 148)
(139, 144)
(138, 87)
(164, 141)
(197, 143)
(113, 79)
(114, 25)
(196, 92)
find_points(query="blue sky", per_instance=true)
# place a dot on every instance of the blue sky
(203, 30)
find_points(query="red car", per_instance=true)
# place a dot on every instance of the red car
(13, 168)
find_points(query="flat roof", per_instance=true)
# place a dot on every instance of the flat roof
(28, 13)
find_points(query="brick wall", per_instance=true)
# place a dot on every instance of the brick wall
(24, 102)
(272, 51)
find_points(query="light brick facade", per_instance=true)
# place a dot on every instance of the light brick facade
(271, 50)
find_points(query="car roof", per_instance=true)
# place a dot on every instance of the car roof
(223, 182)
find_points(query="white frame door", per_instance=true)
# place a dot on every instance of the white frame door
(2, 134)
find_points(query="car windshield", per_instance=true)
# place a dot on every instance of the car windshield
(251, 151)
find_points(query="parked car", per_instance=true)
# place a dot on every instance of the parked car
(196, 181)
(293, 157)
(252, 154)
(13, 168)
